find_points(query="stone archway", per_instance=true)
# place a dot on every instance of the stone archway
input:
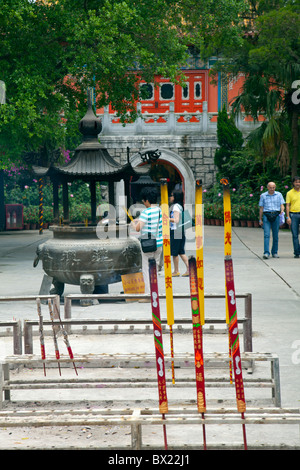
(181, 166)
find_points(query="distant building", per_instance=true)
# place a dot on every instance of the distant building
(181, 122)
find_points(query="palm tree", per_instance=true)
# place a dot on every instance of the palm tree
(269, 56)
(278, 133)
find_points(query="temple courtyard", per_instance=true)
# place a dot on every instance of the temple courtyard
(274, 285)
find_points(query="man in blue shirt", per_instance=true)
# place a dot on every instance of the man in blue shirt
(271, 204)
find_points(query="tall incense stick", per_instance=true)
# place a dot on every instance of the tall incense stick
(41, 210)
(199, 246)
(231, 308)
(198, 342)
(41, 331)
(167, 264)
(227, 249)
(57, 355)
(66, 338)
(234, 341)
(158, 343)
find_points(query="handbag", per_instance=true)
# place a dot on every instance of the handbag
(272, 216)
(149, 244)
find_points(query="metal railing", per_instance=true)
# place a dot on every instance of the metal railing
(16, 325)
(27, 330)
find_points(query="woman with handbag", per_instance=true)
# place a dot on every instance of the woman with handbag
(149, 225)
(177, 236)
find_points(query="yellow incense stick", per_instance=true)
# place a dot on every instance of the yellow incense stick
(129, 215)
(167, 251)
(199, 247)
(167, 261)
(227, 217)
(227, 249)
(227, 224)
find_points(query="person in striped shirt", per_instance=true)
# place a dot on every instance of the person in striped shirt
(150, 221)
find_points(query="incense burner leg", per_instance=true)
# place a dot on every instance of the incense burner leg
(101, 290)
(58, 287)
(87, 286)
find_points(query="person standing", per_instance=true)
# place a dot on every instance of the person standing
(271, 204)
(293, 213)
(149, 221)
(177, 236)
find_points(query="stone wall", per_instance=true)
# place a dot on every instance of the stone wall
(196, 152)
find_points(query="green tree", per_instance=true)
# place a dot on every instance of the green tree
(269, 56)
(278, 53)
(51, 52)
(230, 139)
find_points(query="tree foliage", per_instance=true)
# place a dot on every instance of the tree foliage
(269, 57)
(52, 51)
(230, 139)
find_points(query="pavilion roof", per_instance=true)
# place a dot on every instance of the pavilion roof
(91, 160)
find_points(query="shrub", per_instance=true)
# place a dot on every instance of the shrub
(31, 214)
(230, 139)
(79, 213)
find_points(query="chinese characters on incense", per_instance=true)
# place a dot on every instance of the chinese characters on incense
(199, 246)
(158, 343)
(198, 336)
(234, 336)
(167, 264)
(158, 339)
(231, 308)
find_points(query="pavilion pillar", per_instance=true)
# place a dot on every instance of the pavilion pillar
(55, 202)
(93, 201)
(111, 193)
(2, 202)
(127, 192)
(66, 203)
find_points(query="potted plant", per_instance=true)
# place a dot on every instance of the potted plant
(34, 221)
(26, 223)
(252, 216)
(235, 215)
(31, 216)
(208, 213)
(243, 215)
(47, 216)
(218, 214)
(80, 213)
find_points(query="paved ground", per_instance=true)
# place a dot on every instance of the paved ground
(274, 285)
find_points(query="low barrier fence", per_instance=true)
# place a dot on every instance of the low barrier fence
(16, 325)
(138, 371)
(137, 419)
(134, 362)
(134, 326)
